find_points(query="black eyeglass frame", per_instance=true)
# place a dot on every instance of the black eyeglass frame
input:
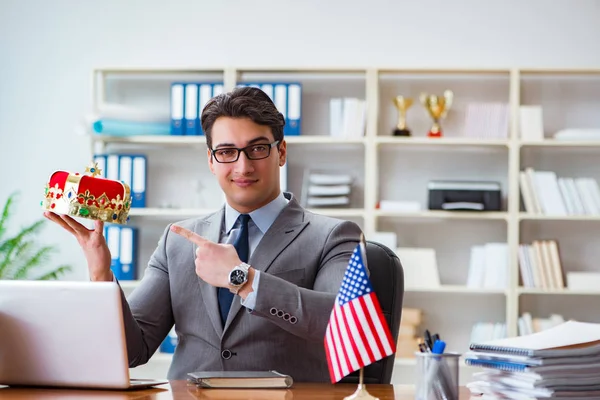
(245, 150)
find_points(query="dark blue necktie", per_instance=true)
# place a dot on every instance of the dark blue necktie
(243, 250)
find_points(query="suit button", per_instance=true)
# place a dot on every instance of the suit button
(280, 313)
(226, 354)
(273, 311)
(286, 317)
(293, 320)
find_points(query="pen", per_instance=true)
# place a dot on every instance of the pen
(438, 347)
(428, 339)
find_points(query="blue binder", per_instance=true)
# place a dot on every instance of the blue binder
(113, 240)
(139, 181)
(177, 108)
(191, 109)
(288, 100)
(294, 111)
(127, 270)
(205, 93)
(169, 344)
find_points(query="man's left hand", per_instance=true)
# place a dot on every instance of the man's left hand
(214, 261)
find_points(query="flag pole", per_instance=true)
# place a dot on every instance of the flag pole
(361, 392)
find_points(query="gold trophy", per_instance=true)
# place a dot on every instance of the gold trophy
(438, 107)
(402, 104)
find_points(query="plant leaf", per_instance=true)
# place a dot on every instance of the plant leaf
(55, 274)
(30, 230)
(15, 258)
(19, 255)
(42, 256)
(6, 213)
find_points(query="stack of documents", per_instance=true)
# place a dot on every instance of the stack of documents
(560, 362)
(326, 189)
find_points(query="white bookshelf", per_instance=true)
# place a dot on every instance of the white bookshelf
(398, 168)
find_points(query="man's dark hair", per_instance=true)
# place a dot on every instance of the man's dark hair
(244, 102)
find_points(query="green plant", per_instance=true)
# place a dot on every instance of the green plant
(20, 255)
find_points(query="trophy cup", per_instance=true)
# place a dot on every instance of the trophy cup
(438, 107)
(402, 104)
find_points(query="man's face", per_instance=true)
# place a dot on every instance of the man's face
(248, 184)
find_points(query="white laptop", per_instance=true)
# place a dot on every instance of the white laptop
(64, 334)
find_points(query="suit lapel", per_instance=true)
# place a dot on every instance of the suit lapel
(283, 231)
(210, 229)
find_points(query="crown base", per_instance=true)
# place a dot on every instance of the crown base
(75, 209)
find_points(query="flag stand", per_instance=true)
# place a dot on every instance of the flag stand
(361, 392)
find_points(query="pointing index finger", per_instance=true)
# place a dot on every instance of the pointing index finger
(189, 235)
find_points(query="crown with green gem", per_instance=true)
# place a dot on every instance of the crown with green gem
(88, 195)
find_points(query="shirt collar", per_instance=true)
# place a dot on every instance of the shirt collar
(263, 217)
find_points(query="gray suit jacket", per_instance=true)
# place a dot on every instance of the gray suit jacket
(302, 259)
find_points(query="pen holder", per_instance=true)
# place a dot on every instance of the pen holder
(437, 376)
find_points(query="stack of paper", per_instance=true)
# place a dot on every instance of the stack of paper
(563, 361)
(326, 189)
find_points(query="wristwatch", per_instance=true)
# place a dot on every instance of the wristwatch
(238, 277)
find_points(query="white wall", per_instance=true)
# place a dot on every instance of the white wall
(47, 49)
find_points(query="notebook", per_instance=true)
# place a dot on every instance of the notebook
(534, 361)
(240, 379)
(572, 338)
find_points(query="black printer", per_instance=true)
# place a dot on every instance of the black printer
(464, 195)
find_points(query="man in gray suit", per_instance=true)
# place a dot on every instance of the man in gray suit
(250, 287)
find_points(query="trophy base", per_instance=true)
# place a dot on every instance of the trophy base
(436, 134)
(401, 132)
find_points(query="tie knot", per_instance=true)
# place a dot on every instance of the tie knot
(244, 218)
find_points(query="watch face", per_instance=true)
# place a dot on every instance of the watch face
(237, 277)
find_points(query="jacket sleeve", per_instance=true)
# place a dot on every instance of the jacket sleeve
(147, 313)
(302, 311)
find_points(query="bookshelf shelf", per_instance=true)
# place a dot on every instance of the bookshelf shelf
(434, 214)
(399, 168)
(449, 142)
(129, 285)
(162, 357)
(339, 212)
(569, 292)
(160, 140)
(405, 362)
(314, 139)
(169, 212)
(197, 212)
(457, 289)
(562, 143)
(537, 217)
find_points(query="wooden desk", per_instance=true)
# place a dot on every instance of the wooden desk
(182, 390)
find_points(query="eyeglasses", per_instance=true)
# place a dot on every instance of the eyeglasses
(253, 152)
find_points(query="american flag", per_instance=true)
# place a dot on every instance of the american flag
(357, 333)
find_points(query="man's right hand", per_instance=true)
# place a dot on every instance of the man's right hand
(91, 241)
